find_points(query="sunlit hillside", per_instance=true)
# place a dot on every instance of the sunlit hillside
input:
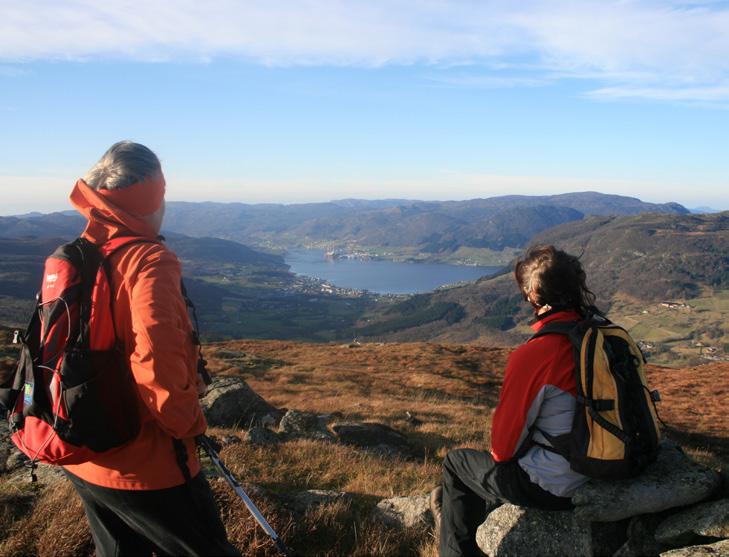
(449, 389)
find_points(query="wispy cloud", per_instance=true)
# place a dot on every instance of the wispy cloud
(713, 95)
(481, 81)
(653, 49)
(13, 71)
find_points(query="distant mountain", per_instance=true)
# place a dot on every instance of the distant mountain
(248, 292)
(589, 203)
(636, 261)
(434, 228)
(58, 225)
(705, 209)
(202, 250)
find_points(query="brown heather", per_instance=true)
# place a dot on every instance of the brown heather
(451, 388)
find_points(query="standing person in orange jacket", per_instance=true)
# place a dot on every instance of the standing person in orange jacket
(148, 496)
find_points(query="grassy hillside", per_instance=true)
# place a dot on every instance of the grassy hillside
(451, 389)
(649, 257)
(403, 229)
(238, 291)
(664, 277)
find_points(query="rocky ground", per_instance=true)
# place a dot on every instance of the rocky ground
(340, 444)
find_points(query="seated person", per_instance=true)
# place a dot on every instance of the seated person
(538, 394)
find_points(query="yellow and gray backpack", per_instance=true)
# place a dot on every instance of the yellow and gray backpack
(615, 432)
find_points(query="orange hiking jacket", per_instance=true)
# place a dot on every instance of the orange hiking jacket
(153, 326)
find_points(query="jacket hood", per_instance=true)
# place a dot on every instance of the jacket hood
(106, 220)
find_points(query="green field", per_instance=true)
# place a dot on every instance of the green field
(679, 336)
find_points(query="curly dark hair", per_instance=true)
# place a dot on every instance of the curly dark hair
(549, 276)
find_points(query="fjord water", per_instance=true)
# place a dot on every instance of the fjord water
(383, 277)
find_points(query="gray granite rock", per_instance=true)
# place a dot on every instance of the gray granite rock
(516, 531)
(674, 480)
(707, 520)
(405, 512)
(261, 436)
(230, 402)
(641, 537)
(296, 424)
(718, 549)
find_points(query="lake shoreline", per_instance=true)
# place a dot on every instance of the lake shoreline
(379, 275)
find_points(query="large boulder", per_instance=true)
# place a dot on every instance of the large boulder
(641, 537)
(230, 402)
(718, 549)
(707, 520)
(373, 436)
(405, 512)
(674, 480)
(261, 436)
(306, 425)
(510, 530)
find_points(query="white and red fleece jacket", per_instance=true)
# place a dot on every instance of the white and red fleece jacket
(539, 390)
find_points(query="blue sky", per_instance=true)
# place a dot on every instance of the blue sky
(308, 101)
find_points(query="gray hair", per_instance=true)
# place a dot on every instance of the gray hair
(124, 164)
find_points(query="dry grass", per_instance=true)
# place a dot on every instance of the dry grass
(452, 389)
(694, 405)
(56, 527)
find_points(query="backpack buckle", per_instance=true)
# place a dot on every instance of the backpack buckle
(16, 336)
(16, 422)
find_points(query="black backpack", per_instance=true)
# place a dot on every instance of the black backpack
(73, 395)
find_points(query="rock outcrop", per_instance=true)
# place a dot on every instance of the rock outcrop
(674, 480)
(663, 508)
(707, 520)
(261, 436)
(718, 549)
(230, 402)
(641, 537)
(405, 512)
(510, 530)
(307, 425)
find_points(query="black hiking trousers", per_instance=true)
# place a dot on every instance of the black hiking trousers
(181, 520)
(474, 485)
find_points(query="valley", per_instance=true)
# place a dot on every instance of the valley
(236, 273)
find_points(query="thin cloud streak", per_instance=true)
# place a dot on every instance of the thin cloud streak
(709, 97)
(643, 45)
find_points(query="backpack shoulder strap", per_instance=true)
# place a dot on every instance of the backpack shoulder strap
(556, 327)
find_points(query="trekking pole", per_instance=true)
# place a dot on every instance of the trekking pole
(230, 478)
